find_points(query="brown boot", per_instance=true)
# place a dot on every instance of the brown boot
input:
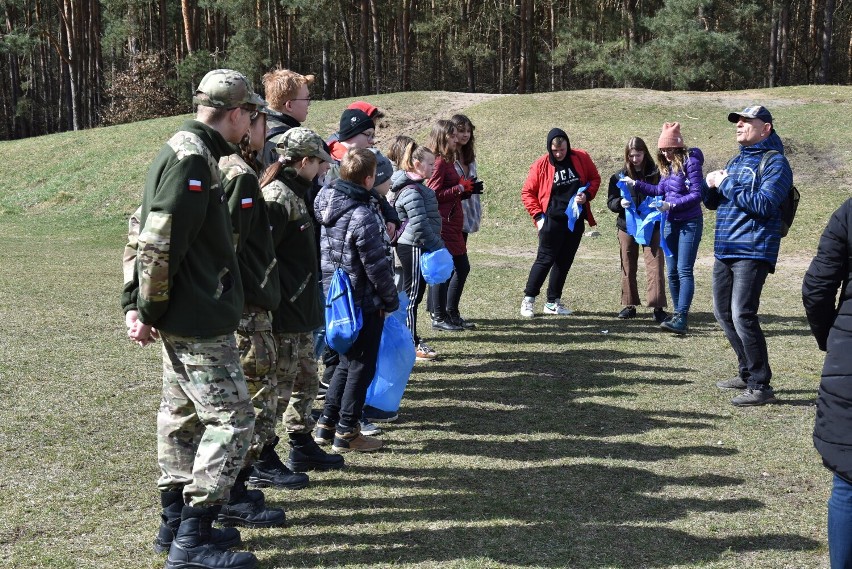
(354, 440)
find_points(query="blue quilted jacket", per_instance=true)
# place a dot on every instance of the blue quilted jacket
(748, 220)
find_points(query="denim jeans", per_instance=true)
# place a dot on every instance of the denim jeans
(683, 238)
(840, 524)
(737, 284)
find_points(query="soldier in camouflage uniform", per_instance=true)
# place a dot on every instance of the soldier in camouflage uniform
(300, 311)
(188, 288)
(258, 351)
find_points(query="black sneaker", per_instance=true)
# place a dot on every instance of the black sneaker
(375, 415)
(445, 325)
(733, 383)
(661, 315)
(459, 321)
(324, 433)
(752, 397)
(627, 312)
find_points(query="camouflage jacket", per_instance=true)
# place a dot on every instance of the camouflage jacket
(186, 266)
(296, 249)
(252, 238)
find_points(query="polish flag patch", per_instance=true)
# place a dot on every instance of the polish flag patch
(195, 185)
(246, 203)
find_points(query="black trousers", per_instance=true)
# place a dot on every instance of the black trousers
(557, 246)
(344, 400)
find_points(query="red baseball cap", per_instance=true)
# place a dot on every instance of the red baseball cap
(370, 110)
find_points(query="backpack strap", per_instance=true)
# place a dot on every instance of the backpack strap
(764, 160)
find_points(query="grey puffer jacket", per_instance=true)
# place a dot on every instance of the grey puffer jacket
(418, 205)
(351, 239)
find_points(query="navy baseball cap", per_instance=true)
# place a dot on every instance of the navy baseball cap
(755, 112)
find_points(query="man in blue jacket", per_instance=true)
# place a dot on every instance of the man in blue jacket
(747, 197)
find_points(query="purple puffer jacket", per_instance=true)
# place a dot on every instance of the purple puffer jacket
(681, 190)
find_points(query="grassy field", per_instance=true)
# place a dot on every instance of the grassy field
(582, 441)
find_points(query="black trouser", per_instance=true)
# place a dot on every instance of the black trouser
(445, 297)
(413, 284)
(347, 392)
(557, 246)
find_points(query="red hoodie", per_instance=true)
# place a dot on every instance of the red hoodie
(536, 190)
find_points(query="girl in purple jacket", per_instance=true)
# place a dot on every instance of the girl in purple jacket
(680, 187)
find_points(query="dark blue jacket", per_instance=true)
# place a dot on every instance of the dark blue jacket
(748, 220)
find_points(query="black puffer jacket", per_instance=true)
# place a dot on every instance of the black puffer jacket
(351, 238)
(831, 325)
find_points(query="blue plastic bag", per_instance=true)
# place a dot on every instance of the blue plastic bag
(437, 266)
(394, 365)
(343, 319)
(574, 210)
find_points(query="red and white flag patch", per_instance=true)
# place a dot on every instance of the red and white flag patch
(246, 203)
(195, 185)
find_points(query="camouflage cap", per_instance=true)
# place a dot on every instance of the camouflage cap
(300, 142)
(226, 89)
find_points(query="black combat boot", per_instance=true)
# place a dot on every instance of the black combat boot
(240, 487)
(172, 502)
(270, 471)
(306, 454)
(192, 547)
(241, 510)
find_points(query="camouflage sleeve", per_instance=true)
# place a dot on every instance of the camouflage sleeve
(172, 217)
(128, 262)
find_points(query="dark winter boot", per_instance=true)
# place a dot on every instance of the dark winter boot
(306, 454)
(172, 502)
(240, 487)
(270, 471)
(678, 323)
(241, 510)
(192, 547)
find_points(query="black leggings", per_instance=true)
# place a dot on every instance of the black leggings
(445, 297)
(557, 246)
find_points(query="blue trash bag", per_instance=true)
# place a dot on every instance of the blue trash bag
(393, 368)
(437, 266)
(343, 319)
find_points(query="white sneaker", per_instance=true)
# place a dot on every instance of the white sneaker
(557, 308)
(369, 429)
(527, 307)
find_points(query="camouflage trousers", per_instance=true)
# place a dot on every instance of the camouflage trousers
(205, 421)
(297, 380)
(259, 358)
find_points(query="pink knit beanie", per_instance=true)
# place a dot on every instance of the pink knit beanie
(670, 137)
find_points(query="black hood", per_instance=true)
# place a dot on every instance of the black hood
(554, 133)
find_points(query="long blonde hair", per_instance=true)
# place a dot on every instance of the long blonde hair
(676, 166)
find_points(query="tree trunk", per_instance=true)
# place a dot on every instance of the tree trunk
(406, 38)
(828, 19)
(186, 10)
(326, 69)
(377, 48)
(363, 43)
(350, 47)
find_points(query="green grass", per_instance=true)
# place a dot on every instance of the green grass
(582, 442)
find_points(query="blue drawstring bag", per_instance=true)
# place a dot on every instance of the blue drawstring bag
(436, 266)
(343, 318)
(395, 362)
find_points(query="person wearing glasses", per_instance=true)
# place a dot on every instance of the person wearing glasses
(289, 99)
(186, 290)
(680, 188)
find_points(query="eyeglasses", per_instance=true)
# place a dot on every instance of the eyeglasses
(253, 116)
(308, 99)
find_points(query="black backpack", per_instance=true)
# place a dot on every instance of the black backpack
(791, 202)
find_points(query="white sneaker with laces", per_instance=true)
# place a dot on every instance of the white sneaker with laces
(528, 307)
(557, 308)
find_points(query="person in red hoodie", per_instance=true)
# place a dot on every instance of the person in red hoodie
(450, 189)
(557, 179)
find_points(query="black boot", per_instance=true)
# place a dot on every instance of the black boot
(240, 487)
(192, 547)
(270, 471)
(241, 510)
(172, 502)
(306, 454)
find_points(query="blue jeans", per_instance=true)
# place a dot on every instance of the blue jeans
(683, 238)
(737, 284)
(840, 524)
